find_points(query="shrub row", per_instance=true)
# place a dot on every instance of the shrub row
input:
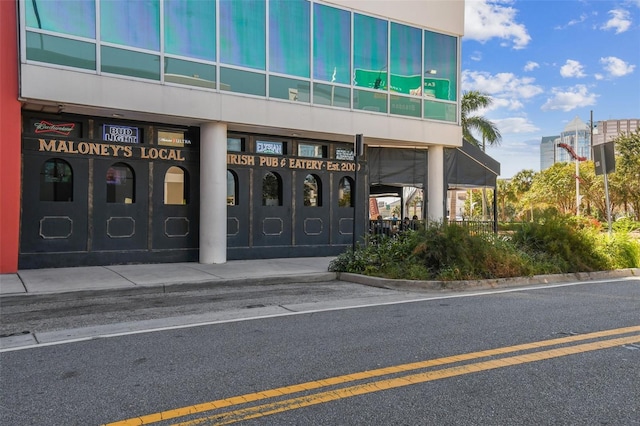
(450, 252)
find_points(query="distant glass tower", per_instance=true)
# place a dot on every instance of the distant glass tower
(575, 129)
(548, 151)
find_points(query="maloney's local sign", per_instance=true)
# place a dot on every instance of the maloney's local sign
(107, 150)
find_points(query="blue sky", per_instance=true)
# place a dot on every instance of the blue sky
(544, 62)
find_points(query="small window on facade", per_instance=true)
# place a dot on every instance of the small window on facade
(313, 151)
(120, 184)
(312, 191)
(271, 190)
(176, 186)
(344, 192)
(56, 181)
(235, 145)
(232, 188)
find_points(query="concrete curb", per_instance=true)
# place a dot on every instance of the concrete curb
(43, 297)
(415, 285)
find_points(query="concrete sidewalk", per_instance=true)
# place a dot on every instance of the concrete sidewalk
(165, 277)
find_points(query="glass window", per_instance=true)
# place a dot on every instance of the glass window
(73, 17)
(344, 192)
(328, 94)
(243, 82)
(131, 23)
(313, 151)
(370, 42)
(440, 66)
(235, 144)
(370, 101)
(176, 186)
(56, 181)
(120, 184)
(232, 188)
(406, 59)
(289, 44)
(403, 105)
(190, 73)
(190, 28)
(242, 33)
(312, 191)
(331, 47)
(127, 62)
(61, 51)
(272, 190)
(288, 88)
(440, 111)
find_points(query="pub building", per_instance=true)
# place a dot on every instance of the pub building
(202, 131)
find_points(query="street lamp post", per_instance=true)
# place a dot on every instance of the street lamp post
(577, 173)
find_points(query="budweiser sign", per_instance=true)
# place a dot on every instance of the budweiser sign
(64, 129)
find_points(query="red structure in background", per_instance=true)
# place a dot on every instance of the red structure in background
(10, 142)
(572, 152)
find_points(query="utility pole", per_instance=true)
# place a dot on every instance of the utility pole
(577, 172)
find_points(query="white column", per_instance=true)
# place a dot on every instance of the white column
(213, 193)
(436, 188)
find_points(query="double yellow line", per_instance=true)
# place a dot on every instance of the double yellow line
(532, 353)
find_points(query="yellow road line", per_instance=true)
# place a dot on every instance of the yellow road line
(328, 396)
(317, 384)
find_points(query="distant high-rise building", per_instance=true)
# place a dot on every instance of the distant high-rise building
(608, 130)
(558, 149)
(548, 151)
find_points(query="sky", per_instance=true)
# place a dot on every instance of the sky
(544, 62)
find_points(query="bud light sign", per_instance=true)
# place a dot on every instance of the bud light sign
(124, 134)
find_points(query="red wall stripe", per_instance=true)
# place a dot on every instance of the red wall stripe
(10, 159)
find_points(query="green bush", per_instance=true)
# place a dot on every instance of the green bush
(553, 245)
(572, 244)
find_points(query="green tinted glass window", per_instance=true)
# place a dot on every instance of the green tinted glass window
(191, 73)
(190, 28)
(126, 62)
(331, 49)
(289, 44)
(440, 111)
(441, 66)
(131, 23)
(242, 33)
(73, 17)
(289, 88)
(402, 105)
(243, 82)
(370, 41)
(327, 94)
(61, 51)
(370, 101)
(406, 59)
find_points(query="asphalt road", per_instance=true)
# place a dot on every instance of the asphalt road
(518, 357)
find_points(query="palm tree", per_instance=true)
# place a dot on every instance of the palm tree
(471, 102)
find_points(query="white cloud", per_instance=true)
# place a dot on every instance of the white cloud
(569, 99)
(620, 21)
(486, 19)
(531, 66)
(477, 55)
(572, 22)
(572, 69)
(506, 89)
(616, 67)
(515, 125)
(598, 76)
